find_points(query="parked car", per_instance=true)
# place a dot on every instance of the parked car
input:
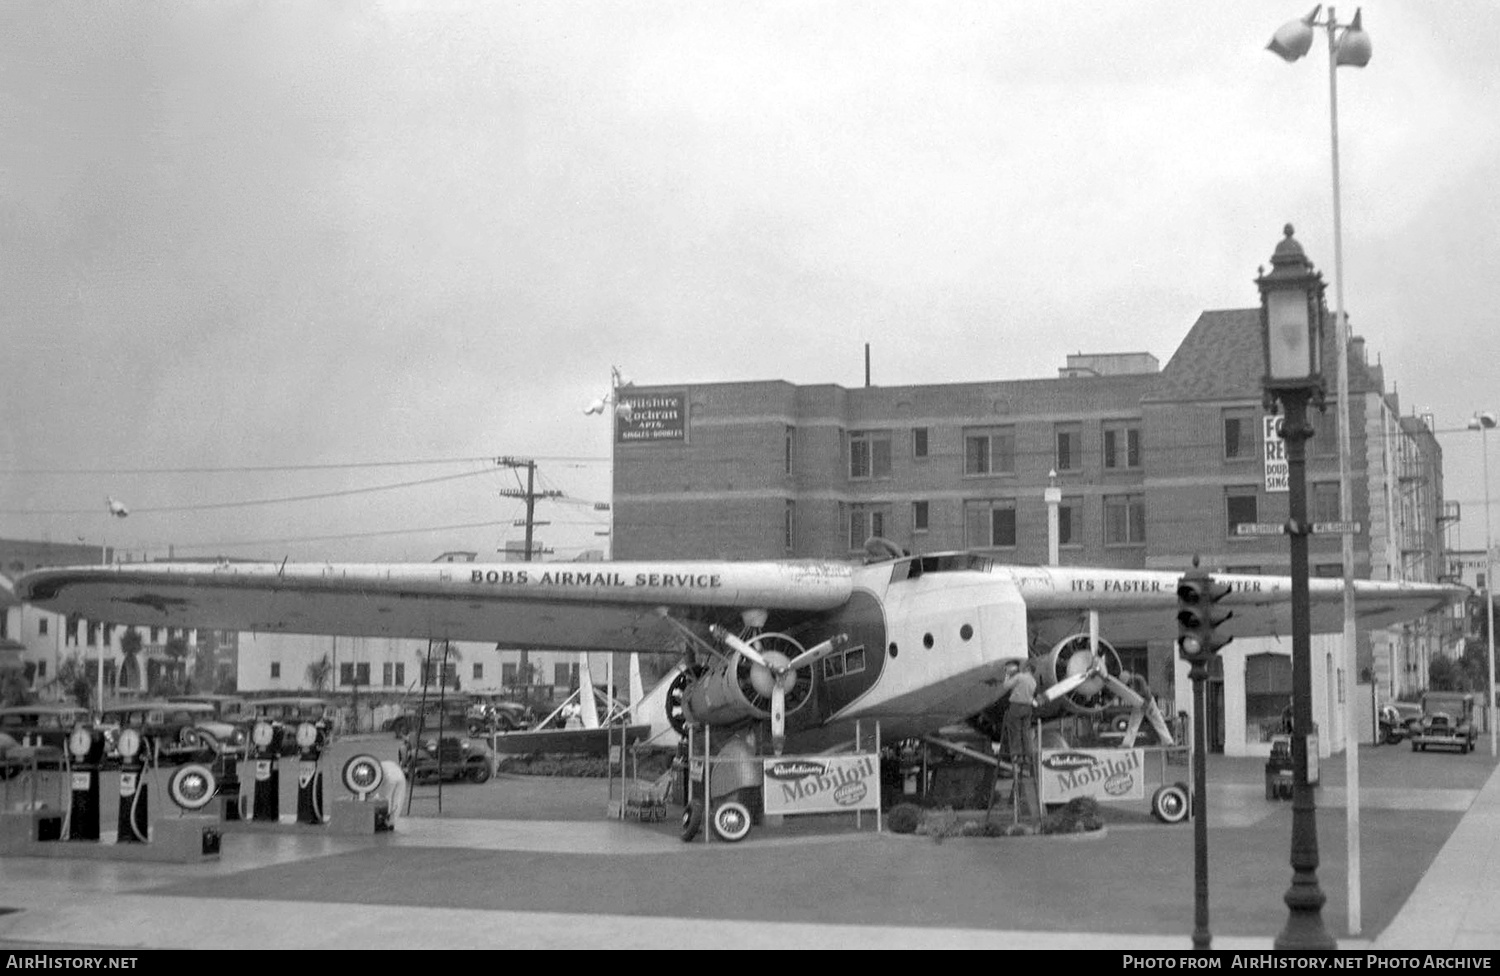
(491, 713)
(227, 708)
(24, 743)
(173, 732)
(283, 716)
(449, 714)
(42, 725)
(1399, 720)
(1447, 722)
(447, 759)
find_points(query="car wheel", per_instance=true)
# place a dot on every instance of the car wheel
(479, 772)
(732, 821)
(692, 819)
(1171, 804)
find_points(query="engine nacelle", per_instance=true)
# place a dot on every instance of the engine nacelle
(738, 689)
(1071, 656)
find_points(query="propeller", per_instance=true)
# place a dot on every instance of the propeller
(776, 673)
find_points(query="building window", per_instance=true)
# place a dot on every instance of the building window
(351, 673)
(1268, 689)
(1122, 446)
(401, 673)
(1243, 570)
(789, 526)
(1124, 520)
(507, 675)
(41, 627)
(1070, 522)
(869, 454)
(1325, 501)
(919, 516)
(990, 524)
(1329, 570)
(1069, 454)
(990, 451)
(41, 669)
(919, 442)
(478, 671)
(385, 674)
(865, 521)
(1241, 435)
(275, 669)
(791, 443)
(346, 674)
(1240, 505)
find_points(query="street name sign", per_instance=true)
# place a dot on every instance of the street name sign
(1260, 528)
(1336, 528)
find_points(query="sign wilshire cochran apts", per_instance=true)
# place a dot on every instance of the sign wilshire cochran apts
(1104, 774)
(822, 784)
(651, 417)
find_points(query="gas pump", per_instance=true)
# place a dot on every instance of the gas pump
(309, 776)
(86, 747)
(264, 801)
(367, 812)
(134, 817)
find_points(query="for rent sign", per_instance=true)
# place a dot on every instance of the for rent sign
(1278, 469)
(1104, 774)
(822, 784)
(651, 417)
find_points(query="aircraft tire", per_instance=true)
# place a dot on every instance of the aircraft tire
(1171, 804)
(732, 821)
(692, 819)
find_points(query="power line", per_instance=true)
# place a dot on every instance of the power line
(242, 468)
(258, 501)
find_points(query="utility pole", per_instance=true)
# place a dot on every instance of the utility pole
(530, 495)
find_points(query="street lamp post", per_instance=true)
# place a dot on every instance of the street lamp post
(1291, 320)
(1348, 46)
(1483, 422)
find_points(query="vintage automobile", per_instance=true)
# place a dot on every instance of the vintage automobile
(447, 759)
(282, 717)
(42, 725)
(1447, 722)
(174, 732)
(227, 708)
(1399, 720)
(491, 713)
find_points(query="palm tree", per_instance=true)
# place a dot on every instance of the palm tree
(130, 665)
(319, 672)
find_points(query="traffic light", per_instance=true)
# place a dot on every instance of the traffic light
(1197, 618)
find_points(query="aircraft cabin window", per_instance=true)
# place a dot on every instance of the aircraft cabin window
(833, 666)
(854, 660)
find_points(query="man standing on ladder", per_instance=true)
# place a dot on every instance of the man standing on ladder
(1019, 691)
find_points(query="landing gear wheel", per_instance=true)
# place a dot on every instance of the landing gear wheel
(1171, 804)
(732, 821)
(692, 819)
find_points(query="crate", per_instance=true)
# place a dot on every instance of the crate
(647, 801)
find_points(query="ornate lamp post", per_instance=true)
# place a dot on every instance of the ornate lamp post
(1484, 422)
(1291, 319)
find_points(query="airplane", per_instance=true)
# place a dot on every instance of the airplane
(917, 643)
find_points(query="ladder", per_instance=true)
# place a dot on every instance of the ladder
(418, 730)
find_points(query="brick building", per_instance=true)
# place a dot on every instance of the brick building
(1155, 465)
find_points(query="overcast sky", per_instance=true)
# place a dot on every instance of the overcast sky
(250, 238)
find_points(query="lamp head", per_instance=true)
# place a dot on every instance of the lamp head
(1353, 46)
(1482, 421)
(596, 407)
(1294, 39)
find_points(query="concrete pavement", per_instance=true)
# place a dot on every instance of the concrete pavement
(461, 880)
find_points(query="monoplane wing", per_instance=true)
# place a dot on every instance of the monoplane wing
(1136, 605)
(560, 606)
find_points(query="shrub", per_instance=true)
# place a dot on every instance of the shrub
(904, 818)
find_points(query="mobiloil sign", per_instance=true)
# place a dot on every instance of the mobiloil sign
(1104, 774)
(822, 784)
